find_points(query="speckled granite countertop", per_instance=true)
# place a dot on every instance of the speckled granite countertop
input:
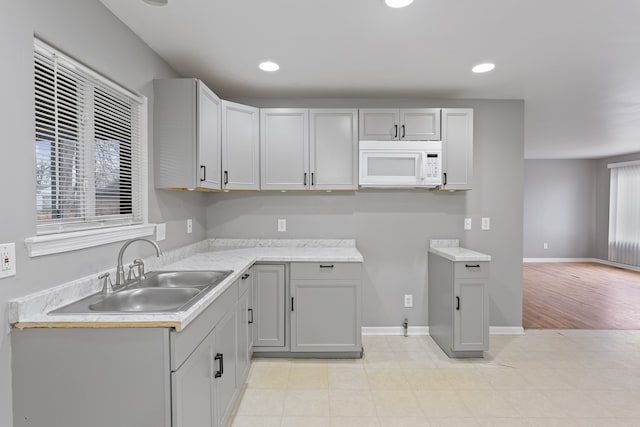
(216, 254)
(451, 250)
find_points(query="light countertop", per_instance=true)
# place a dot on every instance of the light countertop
(451, 250)
(220, 254)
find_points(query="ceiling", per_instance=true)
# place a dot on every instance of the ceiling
(576, 63)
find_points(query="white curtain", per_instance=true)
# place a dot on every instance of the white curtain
(624, 213)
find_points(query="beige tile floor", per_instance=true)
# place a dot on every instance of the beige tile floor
(560, 378)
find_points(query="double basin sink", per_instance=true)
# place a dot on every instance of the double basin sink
(158, 292)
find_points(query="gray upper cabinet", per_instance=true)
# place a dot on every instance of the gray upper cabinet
(379, 124)
(457, 148)
(284, 149)
(186, 138)
(240, 147)
(411, 124)
(334, 149)
(269, 306)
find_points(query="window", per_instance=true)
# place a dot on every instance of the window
(89, 154)
(624, 213)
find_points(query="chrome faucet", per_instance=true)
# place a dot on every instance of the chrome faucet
(120, 279)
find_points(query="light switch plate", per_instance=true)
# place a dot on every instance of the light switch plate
(486, 223)
(161, 232)
(467, 223)
(7, 260)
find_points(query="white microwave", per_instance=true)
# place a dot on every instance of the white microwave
(400, 164)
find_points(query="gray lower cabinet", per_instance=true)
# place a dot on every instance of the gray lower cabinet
(325, 307)
(192, 388)
(269, 307)
(142, 377)
(244, 328)
(459, 306)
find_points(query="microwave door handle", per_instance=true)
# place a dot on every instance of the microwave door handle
(423, 165)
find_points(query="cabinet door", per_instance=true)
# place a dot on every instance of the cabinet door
(269, 306)
(325, 315)
(192, 388)
(471, 308)
(379, 124)
(334, 149)
(225, 366)
(208, 125)
(457, 148)
(284, 149)
(420, 124)
(243, 319)
(240, 147)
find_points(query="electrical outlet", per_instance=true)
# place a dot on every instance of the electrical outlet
(408, 300)
(486, 223)
(189, 226)
(545, 245)
(161, 232)
(467, 223)
(7, 259)
(282, 225)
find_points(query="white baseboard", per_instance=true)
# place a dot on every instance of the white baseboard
(596, 260)
(394, 330)
(424, 330)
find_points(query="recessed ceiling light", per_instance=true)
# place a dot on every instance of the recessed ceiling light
(398, 3)
(157, 3)
(269, 66)
(483, 68)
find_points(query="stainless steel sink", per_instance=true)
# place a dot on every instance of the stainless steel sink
(182, 279)
(145, 300)
(158, 292)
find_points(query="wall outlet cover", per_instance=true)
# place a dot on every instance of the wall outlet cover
(189, 226)
(161, 231)
(7, 260)
(486, 223)
(467, 223)
(282, 225)
(408, 300)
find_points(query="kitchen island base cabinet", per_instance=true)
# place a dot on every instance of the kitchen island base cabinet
(459, 306)
(105, 377)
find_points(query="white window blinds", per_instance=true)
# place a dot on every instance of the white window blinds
(624, 213)
(89, 165)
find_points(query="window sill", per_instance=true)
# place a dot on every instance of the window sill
(65, 242)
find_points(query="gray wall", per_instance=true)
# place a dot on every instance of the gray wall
(392, 227)
(559, 208)
(86, 30)
(601, 243)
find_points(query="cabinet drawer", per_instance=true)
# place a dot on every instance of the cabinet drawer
(471, 269)
(326, 270)
(183, 343)
(244, 282)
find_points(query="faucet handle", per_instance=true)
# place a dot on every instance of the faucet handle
(107, 287)
(140, 265)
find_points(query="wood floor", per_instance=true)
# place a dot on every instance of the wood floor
(580, 296)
